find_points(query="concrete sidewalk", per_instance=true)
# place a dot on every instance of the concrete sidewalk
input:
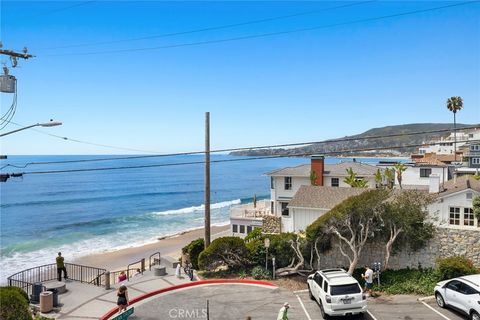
(83, 301)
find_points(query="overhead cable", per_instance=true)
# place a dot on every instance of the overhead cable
(273, 146)
(227, 26)
(263, 35)
(18, 174)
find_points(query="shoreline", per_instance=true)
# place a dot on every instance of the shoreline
(167, 246)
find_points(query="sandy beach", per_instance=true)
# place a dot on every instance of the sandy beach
(169, 246)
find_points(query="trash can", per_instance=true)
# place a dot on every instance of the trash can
(55, 296)
(37, 288)
(46, 301)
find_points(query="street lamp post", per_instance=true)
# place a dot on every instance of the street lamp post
(46, 124)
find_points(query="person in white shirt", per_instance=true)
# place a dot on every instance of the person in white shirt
(368, 276)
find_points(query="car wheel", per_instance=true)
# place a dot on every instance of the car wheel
(439, 299)
(324, 315)
(310, 294)
(475, 315)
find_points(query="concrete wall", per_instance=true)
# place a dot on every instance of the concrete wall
(447, 242)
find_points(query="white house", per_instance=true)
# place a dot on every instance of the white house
(417, 175)
(246, 217)
(447, 145)
(453, 206)
(311, 202)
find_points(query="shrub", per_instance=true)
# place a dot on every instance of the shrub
(14, 306)
(193, 249)
(259, 273)
(256, 252)
(255, 234)
(455, 266)
(281, 249)
(224, 251)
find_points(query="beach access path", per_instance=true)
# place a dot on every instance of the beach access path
(168, 246)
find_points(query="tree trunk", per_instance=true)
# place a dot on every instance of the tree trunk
(388, 247)
(455, 135)
(353, 264)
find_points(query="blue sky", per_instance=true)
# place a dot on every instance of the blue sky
(301, 86)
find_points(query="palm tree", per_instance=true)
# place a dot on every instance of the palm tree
(455, 104)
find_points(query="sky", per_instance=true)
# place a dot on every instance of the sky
(268, 72)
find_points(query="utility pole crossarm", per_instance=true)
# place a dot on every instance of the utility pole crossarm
(11, 53)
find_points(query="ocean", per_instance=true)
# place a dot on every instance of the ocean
(80, 213)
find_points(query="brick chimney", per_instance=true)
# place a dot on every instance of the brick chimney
(317, 166)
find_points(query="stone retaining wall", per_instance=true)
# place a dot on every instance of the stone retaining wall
(447, 242)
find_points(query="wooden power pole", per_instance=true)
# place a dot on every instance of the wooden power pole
(207, 179)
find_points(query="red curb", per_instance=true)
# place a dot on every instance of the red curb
(113, 311)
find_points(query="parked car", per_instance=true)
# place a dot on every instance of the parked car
(462, 294)
(337, 293)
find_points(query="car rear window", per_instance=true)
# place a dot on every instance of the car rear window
(345, 289)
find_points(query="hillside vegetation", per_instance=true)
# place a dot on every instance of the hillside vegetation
(405, 145)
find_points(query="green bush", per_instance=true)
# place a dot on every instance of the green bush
(224, 251)
(259, 273)
(193, 249)
(455, 266)
(255, 234)
(256, 252)
(14, 305)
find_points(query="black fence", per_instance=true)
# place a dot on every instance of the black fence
(85, 274)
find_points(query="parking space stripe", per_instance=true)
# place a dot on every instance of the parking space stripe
(305, 310)
(443, 316)
(371, 315)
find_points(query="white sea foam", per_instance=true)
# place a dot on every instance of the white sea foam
(130, 238)
(199, 208)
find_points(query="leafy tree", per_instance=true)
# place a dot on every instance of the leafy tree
(354, 222)
(378, 179)
(399, 169)
(353, 181)
(193, 250)
(390, 177)
(476, 207)
(14, 305)
(404, 221)
(224, 251)
(455, 104)
(313, 177)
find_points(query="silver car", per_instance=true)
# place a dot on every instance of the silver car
(462, 294)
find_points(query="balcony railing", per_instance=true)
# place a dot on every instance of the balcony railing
(85, 274)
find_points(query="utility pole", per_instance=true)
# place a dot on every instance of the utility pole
(207, 179)
(8, 83)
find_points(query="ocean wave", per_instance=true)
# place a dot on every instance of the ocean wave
(91, 199)
(199, 208)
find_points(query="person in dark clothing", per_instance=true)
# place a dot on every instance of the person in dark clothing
(61, 267)
(122, 300)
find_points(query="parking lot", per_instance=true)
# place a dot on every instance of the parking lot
(402, 307)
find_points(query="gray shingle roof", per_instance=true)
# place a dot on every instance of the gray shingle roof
(322, 197)
(335, 169)
(462, 183)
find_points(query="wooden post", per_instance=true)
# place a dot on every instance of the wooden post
(207, 179)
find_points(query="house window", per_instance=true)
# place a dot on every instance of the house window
(475, 148)
(249, 229)
(242, 228)
(288, 183)
(469, 196)
(475, 160)
(335, 182)
(285, 212)
(454, 216)
(234, 228)
(272, 184)
(271, 206)
(425, 172)
(468, 217)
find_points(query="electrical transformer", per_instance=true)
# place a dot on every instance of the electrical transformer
(8, 83)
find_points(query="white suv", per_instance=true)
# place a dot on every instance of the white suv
(337, 293)
(461, 293)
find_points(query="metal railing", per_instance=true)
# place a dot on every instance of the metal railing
(155, 260)
(48, 272)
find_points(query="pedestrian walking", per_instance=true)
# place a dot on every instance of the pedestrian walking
(368, 276)
(122, 298)
(283, 313)
(61, 267)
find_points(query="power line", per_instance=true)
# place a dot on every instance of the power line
(208, 28)
(19, 174)
(219, 161)
(346, 139)
(263, 35)
(61, 9)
